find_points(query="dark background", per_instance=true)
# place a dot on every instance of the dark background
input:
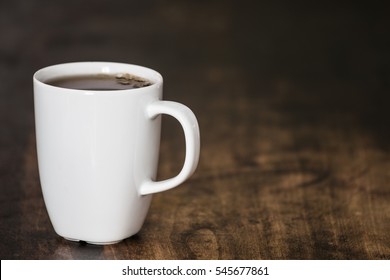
(292, 100)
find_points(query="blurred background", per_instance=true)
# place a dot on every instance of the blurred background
(200, 45)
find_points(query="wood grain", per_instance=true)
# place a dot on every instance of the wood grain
(292, 104)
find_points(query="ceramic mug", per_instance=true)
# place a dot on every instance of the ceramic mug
(98, 151)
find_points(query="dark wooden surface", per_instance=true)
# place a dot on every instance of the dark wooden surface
(293, 105)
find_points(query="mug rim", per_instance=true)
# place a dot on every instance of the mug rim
(97, 67)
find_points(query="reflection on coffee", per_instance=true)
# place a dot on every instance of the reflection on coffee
(100, 82)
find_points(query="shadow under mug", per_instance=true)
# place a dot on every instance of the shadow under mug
(98, 151)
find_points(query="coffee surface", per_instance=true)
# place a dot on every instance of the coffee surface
(100, 82)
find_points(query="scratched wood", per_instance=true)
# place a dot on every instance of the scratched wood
(292, 104)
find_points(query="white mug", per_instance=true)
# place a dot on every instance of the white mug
(98, 151)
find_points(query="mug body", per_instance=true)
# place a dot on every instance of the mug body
(95, 148)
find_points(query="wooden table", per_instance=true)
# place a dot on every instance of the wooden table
(292, 102)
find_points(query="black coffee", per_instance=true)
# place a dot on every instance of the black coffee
(100, 82)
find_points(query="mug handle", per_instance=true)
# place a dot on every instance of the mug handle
(190, 126)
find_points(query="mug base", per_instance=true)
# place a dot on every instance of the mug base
(92, 242)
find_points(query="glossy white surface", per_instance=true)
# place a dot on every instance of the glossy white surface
(98, 151)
